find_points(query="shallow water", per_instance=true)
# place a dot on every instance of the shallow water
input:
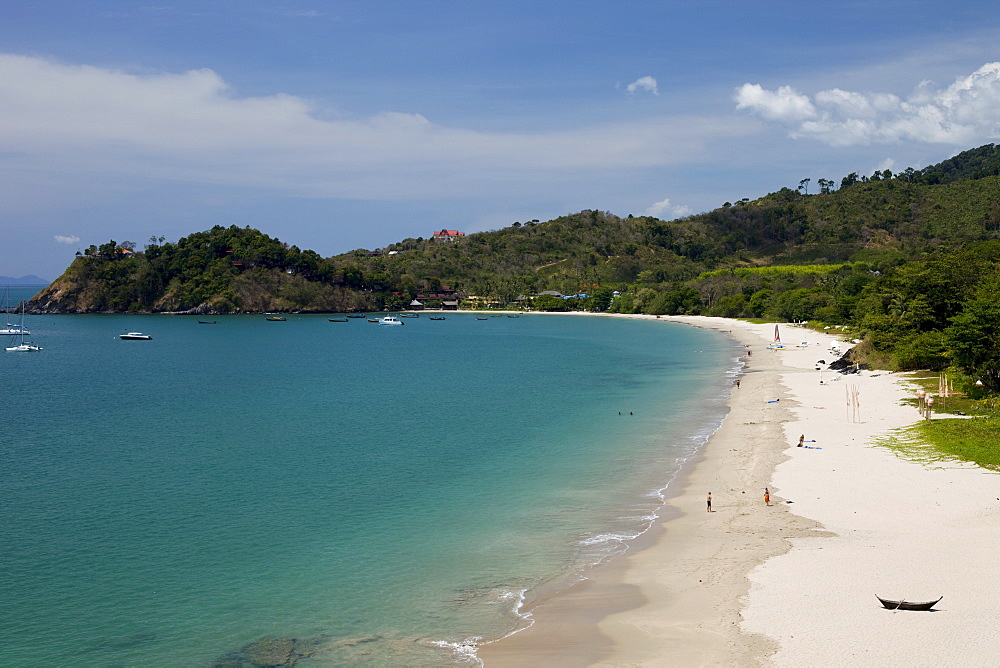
(370, 491)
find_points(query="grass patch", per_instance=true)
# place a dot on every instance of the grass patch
(958, 403)
(949, 440)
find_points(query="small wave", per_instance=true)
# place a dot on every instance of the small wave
(463, 650)
(605, 538)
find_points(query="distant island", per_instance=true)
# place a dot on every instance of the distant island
(30, 279)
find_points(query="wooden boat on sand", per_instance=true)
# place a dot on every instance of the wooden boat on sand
(907, 605)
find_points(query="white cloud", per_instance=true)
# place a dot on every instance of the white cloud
(646, 83)
(69, 241)
(964, 113)
(663, 207)
(192, 127)
(785, 104)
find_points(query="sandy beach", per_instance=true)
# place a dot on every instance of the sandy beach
(793, 583)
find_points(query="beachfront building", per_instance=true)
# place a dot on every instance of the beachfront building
(476, 302)
(416, 305)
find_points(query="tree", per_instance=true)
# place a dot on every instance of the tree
(804, 186)
(548, 303)
(974, 336)
(600, 300)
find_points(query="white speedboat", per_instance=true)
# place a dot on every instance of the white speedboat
(390, 320)
(135, 336)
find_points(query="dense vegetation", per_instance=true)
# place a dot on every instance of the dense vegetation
(908, 261)
(222, 270)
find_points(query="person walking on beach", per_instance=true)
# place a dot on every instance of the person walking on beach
(802, 439)
(737, 383)
(708, 501)
(767, 497)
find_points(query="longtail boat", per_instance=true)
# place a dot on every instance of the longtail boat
(907, 605)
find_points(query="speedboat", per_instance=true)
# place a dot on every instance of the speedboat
(390, 320)
(135, 336)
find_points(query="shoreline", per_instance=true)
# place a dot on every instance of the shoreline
(751, 584)
(588, 624)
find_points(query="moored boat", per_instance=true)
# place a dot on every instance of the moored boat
(441, 317)
(276, 318)
(13, 330)
(337, 319)
(390, 320)
(23, 346)
(907, 605)
(355, 315)
(135, 336)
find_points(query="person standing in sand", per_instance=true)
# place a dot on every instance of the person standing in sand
(767, 497)
(708, 501)
(802, 439)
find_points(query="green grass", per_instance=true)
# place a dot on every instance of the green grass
(949, 440)
(776, 270)
(957, 403)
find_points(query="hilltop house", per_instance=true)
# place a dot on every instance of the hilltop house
(448, 235)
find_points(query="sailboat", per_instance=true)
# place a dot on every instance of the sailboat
(23, 346)
(777, 345)
(10, 330)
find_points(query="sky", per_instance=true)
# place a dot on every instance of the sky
(355, 124)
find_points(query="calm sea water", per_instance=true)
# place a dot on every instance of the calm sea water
(380, 494)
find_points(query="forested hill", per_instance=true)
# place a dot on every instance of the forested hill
(897, 256)
(222, 270)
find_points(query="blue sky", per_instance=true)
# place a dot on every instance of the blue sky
(342, 125)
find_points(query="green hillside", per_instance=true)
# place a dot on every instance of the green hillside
(222, 270)
(902, 259)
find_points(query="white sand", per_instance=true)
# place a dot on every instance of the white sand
(793, 584)
(903, 530)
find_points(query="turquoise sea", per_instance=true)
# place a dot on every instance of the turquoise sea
(383, 495)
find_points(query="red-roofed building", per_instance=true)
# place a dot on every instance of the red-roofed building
(448, 235)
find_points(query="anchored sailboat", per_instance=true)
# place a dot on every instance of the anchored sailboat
(23, 346)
